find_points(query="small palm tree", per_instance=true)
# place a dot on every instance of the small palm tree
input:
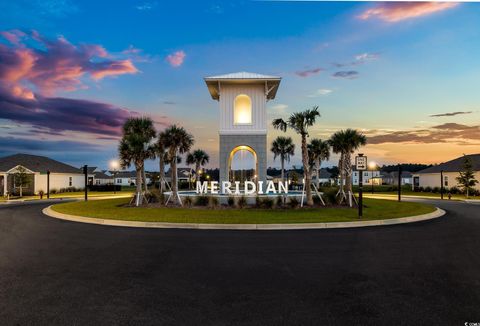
(319, 151)
(300, 122)
(179, 142)
(135, 148)
(346, 142)
(199, 158)
(284, 148)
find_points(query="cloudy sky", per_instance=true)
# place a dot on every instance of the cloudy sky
(405, 74)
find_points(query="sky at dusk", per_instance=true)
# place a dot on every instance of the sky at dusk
(406, 74)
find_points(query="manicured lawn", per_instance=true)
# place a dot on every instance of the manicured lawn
(78, 194)
(112, 209)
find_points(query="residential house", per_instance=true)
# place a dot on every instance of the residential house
(369, 177)
(62, 176)
(431, 177)
(391, 178)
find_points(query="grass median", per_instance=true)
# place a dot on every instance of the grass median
(375, 209)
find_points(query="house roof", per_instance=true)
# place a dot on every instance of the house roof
(125, 174)
(101, 175)
(181, 173)
(243, 77)
(453, 165)
(36, 163)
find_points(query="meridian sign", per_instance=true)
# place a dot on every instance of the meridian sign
(226, 187)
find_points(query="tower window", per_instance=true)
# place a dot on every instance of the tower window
(242, 110)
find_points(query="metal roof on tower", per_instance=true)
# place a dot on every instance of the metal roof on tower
(271, 82)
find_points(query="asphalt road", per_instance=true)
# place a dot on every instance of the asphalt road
(56, 272)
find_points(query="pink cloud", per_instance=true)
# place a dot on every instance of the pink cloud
(398, 11)
(32, 72)
(14, 36)
(56, 64)
(176, 59)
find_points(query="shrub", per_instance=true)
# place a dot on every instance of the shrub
(188, 201)
(105, 187)
(213, 203)
(201, 201)
(279, 202)
(231, 201)
(293, 203)
(428, 189)
(436, 190)
(242, 201)
(53, 191)
(267, 203)
(330, 196)
(454, 190)
(258, 201)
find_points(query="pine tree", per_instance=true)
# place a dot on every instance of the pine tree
(466, 179)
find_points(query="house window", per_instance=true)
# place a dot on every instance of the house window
(97, 182)
(242, 110)
(70, 181)
(445, 181)
(365, 174)
(119, 180)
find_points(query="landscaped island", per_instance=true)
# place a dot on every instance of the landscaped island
(117, 209)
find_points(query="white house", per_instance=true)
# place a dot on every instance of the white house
(369, 177)
(391, 178)
(431, 177)
(127, 178)
(62, 176)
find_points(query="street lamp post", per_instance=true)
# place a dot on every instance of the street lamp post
(372, 166)
(114, 168)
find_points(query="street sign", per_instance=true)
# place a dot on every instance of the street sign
(361, 163)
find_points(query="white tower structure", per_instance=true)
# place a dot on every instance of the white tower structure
(242, 99)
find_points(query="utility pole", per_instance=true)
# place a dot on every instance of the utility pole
(48, 184)
(85, 172)
(441, 184)
(399, 182)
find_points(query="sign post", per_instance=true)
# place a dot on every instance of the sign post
(48, 184)
(360, 165)
(85, 172)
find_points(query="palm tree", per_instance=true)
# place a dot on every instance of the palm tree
(338, 145)
(319, 151)
(161, 153)
(199, 158)
(179, 142)
(283, 147)
(135, 148)
(299, 122)
(346, 142)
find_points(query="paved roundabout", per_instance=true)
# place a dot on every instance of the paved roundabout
(56, 272)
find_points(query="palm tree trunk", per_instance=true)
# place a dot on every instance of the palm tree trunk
(306, 171)
(144, 179)
(21, 192)
(162, 173)
(342, 172)
(174, 179)
(283, 169)
(348, 171)
(317, 163)
(138, 195)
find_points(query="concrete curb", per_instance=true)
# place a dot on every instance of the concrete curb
(204, 226)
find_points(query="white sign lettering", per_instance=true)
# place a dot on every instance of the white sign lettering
(250, 187)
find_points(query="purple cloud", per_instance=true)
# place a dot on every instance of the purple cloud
(351, 74)
(58, 113)
(308, 72)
